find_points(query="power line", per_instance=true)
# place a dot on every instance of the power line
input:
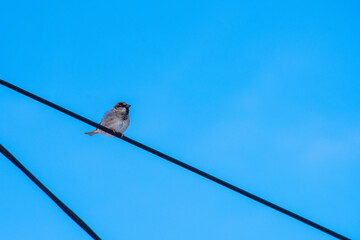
(175, 161)
(58, 202)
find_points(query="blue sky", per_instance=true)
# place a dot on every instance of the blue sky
(263, 94)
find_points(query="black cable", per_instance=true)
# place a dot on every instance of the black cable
(177, 162)
(58, 202)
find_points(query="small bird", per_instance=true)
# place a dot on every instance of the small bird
(116, 119)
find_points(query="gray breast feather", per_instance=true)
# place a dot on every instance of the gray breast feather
(115, 120)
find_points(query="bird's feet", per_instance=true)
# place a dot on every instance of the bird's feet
(121, 135)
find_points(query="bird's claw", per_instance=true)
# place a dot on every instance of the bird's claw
(121, 135)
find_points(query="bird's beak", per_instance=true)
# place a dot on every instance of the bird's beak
(127, 105)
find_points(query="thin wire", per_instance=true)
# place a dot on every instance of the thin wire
(177, 162)
(58, 202)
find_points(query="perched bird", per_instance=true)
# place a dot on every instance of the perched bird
(116, 119)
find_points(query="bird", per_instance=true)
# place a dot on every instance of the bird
(116, 119)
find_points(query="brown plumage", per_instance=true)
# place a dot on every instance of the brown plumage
(116, 119)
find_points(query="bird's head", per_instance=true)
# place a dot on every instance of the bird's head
(122, 107)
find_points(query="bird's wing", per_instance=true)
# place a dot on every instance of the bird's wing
(106, 117)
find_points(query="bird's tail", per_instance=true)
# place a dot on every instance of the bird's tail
(92, 132)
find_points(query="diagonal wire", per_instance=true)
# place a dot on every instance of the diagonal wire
(177, 162)
(58, 202)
